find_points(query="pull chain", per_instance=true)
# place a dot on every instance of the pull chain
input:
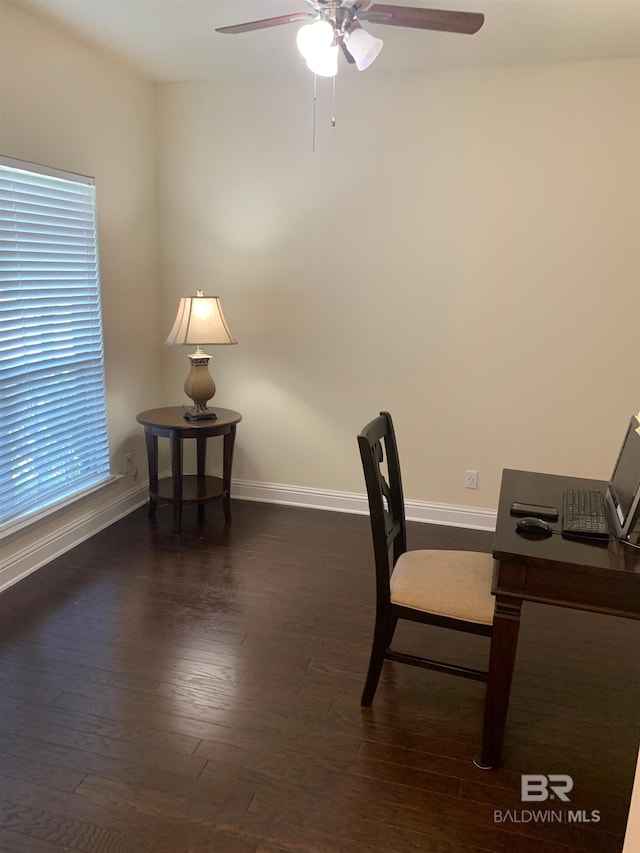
(315, 98)
(333, 104)
(315, 101)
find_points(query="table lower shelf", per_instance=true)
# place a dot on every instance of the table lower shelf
(195, 490)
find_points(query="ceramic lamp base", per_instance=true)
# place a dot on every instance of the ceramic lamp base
(199, 385)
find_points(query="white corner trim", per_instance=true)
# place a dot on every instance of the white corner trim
(432, 513)
(37, 554)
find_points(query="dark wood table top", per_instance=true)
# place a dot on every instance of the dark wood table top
(172, 417)
(575, 567)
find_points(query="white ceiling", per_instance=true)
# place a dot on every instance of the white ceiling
(174, 40)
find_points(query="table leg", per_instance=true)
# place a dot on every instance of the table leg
(504, 642)
(176, 479)
(201, 449)
(227, 462)
(152, 462)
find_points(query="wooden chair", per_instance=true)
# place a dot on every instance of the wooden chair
(450, 589)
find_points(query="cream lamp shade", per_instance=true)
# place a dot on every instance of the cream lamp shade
(199, 321)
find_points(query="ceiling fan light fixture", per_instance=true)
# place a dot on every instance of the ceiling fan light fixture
(324, 62)
(314, 37)
(363, 47)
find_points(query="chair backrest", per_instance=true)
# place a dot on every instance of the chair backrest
(381, 466)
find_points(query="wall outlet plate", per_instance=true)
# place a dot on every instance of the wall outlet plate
(470, 479)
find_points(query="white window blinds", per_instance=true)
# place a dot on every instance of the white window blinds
(53, 426)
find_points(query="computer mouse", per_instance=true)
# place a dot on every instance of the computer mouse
(529, 524)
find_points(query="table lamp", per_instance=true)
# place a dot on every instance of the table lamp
(199, 321)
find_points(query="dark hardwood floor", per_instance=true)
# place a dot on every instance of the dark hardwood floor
(183, 693)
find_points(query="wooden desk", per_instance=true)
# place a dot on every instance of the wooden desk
(553, 570)
(181, 489)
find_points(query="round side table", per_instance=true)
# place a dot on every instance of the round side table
(182, 488)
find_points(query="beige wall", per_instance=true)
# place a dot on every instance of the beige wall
(448, 244)
(431, 254)
(64, 105)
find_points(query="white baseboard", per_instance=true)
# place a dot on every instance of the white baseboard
(432, 513)
(36, 555)
(32, 557)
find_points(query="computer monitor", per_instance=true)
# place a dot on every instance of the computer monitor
(623, 493)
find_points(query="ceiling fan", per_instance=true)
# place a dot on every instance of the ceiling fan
(336, 24)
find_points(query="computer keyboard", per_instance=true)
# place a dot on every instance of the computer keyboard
(584, 513)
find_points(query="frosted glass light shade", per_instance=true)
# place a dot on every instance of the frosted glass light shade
(314, 37)
(324, 62)
(363, 47)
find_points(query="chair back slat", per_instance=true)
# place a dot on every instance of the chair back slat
(381, 467)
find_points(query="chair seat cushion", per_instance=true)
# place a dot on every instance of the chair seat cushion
(449, 583)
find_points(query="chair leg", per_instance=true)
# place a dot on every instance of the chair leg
(381, 637)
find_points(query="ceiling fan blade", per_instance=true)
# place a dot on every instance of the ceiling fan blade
(267, 22)
(423, 19)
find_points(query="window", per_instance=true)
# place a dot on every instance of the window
(53, 425)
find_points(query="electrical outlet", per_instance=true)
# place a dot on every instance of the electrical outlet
(470, 479)
(129, 467)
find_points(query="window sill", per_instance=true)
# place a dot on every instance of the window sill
(12, 528)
